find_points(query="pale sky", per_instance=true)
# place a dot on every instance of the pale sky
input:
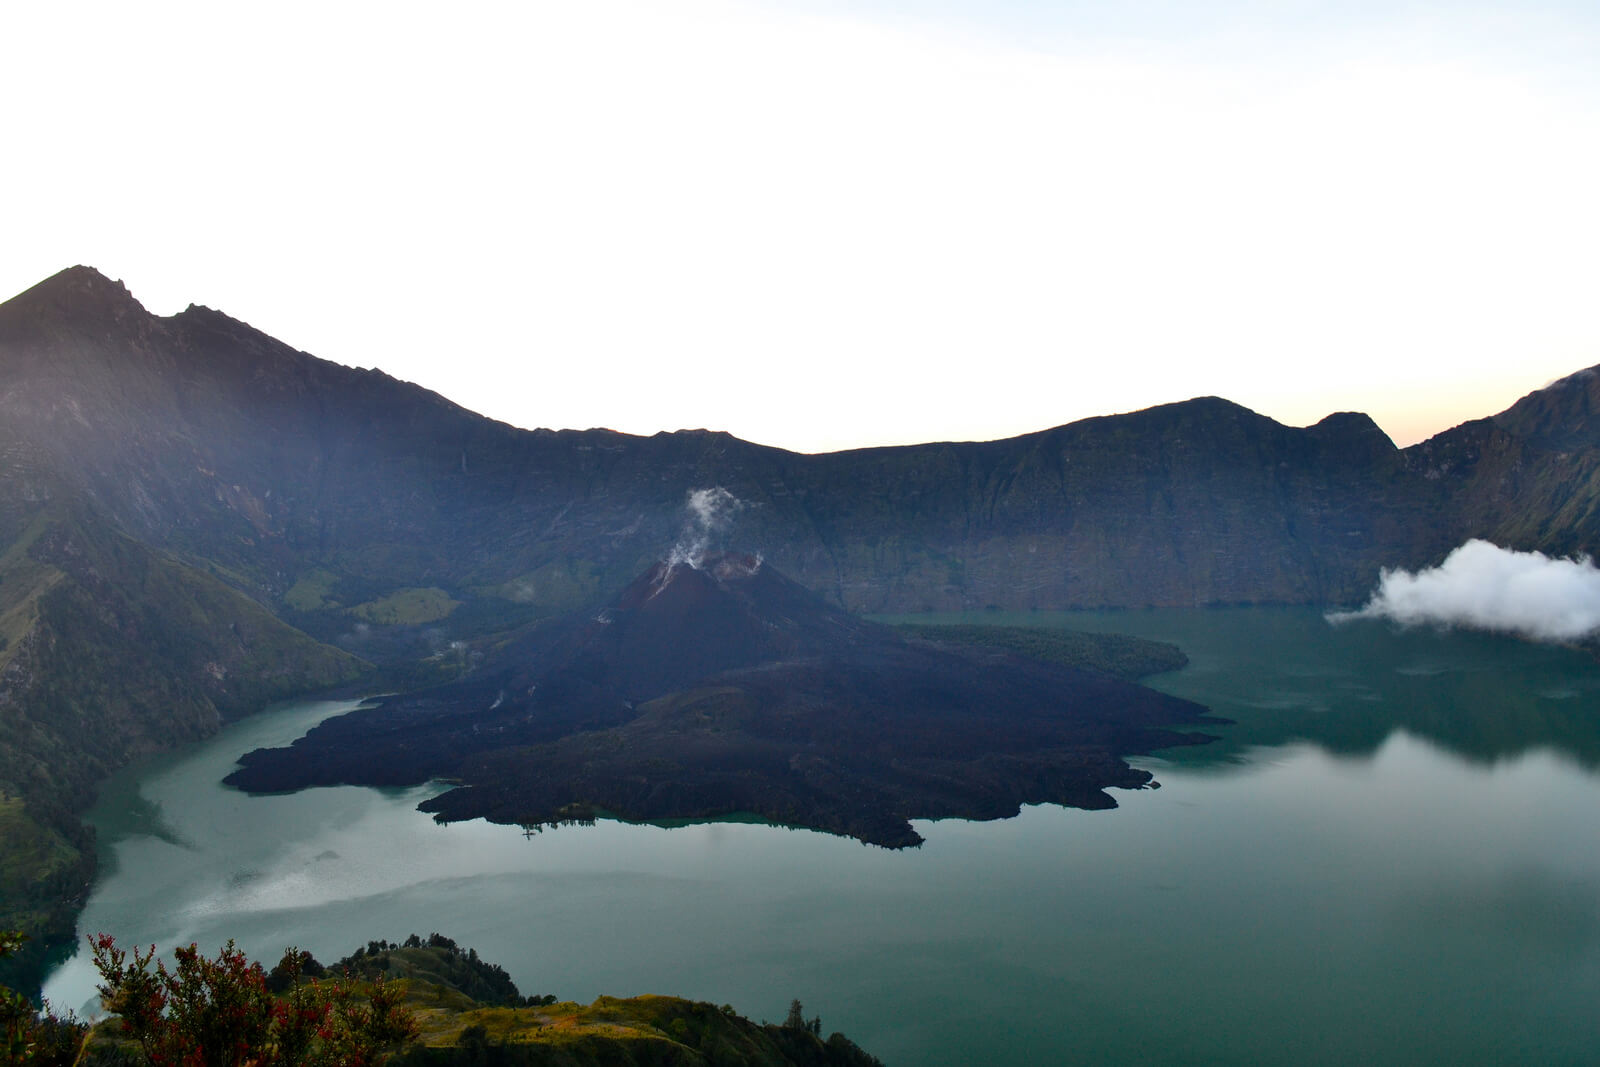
(823, 224)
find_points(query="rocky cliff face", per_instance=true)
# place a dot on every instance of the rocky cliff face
(1528, 477)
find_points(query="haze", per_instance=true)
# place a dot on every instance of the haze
(826, 225)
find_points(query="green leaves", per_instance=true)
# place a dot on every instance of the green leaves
(25, 1035)
(16, 1014)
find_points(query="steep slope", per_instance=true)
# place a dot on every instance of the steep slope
(320, 488)
(1527, 478)
(1192, 503)
(676, 623)
(108, 651)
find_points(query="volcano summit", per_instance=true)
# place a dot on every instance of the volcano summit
(706, 691)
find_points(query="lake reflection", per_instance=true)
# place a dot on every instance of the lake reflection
(1393, 857)
(1286, 674)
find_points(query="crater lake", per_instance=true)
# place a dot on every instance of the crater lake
(1393, 856)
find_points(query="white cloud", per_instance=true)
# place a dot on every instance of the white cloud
(1486, 587)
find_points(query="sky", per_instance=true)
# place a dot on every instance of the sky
(822, 224)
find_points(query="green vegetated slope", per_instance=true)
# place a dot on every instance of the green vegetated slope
(45, 867)
(408, 606)
(469, 1011)
(669, 1031)
(1119, 655)
(1529, 477)
(113, 651)
(437, 960)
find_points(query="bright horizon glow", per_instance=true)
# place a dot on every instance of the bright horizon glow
(825, 225)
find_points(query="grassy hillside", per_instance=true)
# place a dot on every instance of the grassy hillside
(613, 1030)
(467, 1010)
(1119, 655)
(112, 651)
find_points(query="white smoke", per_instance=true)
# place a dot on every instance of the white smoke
(1486, 587)
(709, 512)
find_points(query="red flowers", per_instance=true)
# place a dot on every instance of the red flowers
(219, 1013)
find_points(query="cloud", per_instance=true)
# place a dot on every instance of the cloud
(1485, 587)
(708, 512)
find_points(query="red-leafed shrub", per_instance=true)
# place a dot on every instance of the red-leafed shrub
(218, 1012)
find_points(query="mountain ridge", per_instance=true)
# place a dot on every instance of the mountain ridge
(217, 382)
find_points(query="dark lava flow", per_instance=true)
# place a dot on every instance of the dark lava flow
(705, 691)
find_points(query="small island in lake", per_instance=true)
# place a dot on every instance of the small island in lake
(723, 688)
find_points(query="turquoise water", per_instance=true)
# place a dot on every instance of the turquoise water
(1392, 857)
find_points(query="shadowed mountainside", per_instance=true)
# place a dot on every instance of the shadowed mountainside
(1527, 478)
(110, 650)
(319, 488)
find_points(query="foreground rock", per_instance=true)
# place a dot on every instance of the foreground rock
(723, 688)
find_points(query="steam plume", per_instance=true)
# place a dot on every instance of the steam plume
(708, 512)
(1486, 587)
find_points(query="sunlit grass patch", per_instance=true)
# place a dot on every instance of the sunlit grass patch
(312, 591)
(407, 607)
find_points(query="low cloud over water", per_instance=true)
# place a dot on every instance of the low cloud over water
(1486, 587)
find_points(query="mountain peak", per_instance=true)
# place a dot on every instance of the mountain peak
(677, 622)
(80, 292)
(706, 571)
(1353, 435)
(1564, 415)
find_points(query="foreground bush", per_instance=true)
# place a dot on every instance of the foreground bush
(26, 1035)
(219, 1012)
(226, 1011)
